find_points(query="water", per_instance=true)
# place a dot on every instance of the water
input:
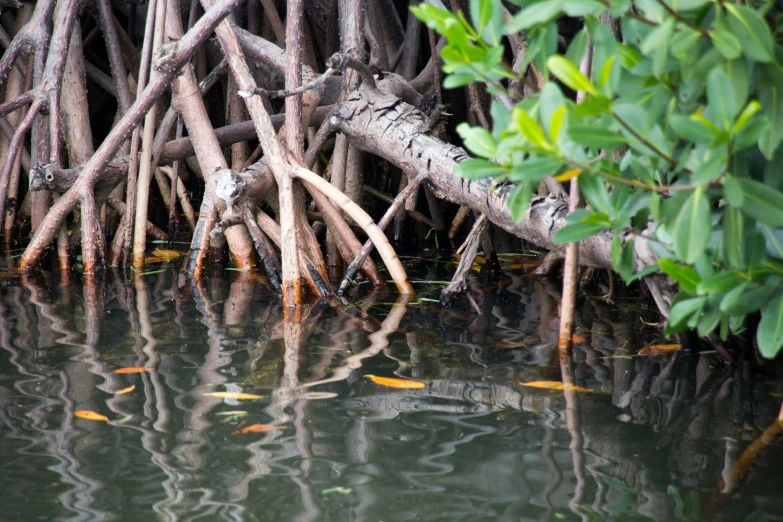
(652, 441)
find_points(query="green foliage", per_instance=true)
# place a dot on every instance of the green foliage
(675, 137)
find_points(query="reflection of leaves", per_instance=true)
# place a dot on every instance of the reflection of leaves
(687, 508)
(555, 385)
(391, 382)
(91, 415)
(234, 395)
(256, 428)
(125, 390)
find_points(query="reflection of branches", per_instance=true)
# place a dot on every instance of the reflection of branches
(379, 341)
(58, 441)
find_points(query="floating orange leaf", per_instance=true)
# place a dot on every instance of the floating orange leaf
(91, 415)
(658, 349)
(256, 428)
(396, 383)
(234, 395)
(555, 385)
(125, 390)
(138, 369)
(578, 339)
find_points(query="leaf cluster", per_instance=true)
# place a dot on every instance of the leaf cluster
(676, 137)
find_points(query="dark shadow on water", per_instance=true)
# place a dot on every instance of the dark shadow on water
(655, 439)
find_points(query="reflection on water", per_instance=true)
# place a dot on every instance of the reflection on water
(655, 440)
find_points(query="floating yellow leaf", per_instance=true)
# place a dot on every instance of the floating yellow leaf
(565, 176)
(91, 415)
(125, 390)
(555, 385)
(396, 383)
(234, 395)
(139, 369)
(658, 349)
(256, 428)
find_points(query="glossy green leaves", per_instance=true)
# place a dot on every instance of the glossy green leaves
(674, 137)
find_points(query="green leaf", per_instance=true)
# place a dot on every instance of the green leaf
(530, 128)
(772, 101)
(774, 240)
(596, 138)
(746, 298)
(535, 169)
(685, 275)
(708, 171)
(576, 49)
(692, 228)
(569, 75)
(733, 232)
(519, 199)
(534, 14)
(747, 113)
(551, 101)
(642, 273)
(752, 32)
(757, 200)
(481, 12)
(594, 191)
(720, 282)
(480, 169)
(593, 106)
(556, 123)
(683, 308)
(686, 5)
(691, 130)
(477, 140)
(720, 96)
(576, 8)
(769, 335)
(580, 225)
(623, 257)
(726, 43)
(658, 36)
(750, 134)
(455, 80)
(629, 56)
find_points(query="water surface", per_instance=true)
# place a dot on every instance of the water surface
(655, 439)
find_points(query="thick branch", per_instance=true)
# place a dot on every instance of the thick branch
(384, 125)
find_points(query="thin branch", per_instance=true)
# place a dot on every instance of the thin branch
(293, 92)
(353, 268)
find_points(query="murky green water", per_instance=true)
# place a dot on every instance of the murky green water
(653, 441)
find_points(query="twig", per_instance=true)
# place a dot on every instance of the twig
(353, 268)
(293, 92)
(343, 62)
(571, 264)
(469, 249)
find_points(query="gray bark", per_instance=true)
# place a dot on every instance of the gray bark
(384, 125)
